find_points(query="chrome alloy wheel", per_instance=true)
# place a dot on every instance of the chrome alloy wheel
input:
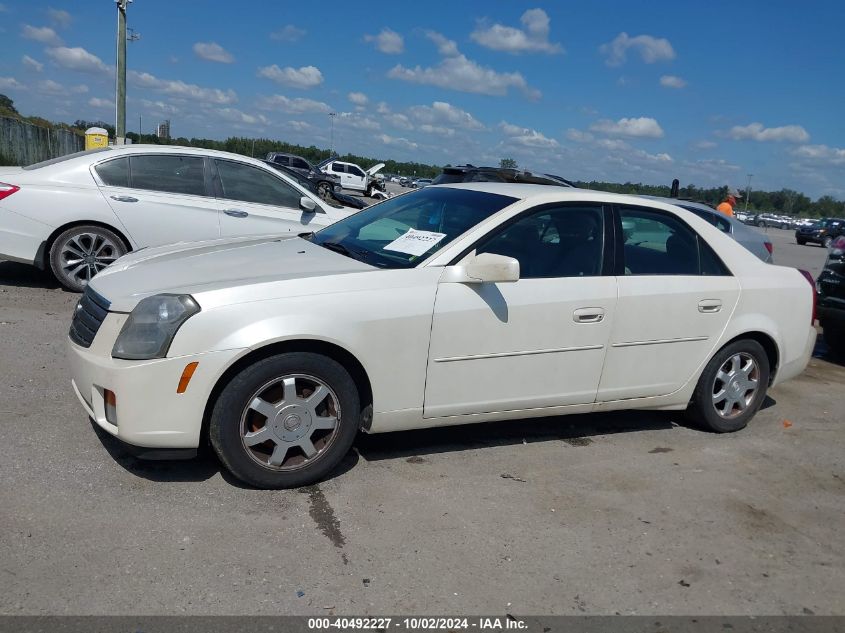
(83, 255)
(289, 422)
(735, 385)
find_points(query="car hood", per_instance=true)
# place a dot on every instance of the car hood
(197, 267)
(372, 170)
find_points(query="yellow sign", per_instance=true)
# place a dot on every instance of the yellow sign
(96, 137)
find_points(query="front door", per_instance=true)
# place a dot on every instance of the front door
(675, 300)
(256, 201)
(537, 342)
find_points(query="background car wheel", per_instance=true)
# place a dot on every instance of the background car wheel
(81, 252)
(286, 421)
(801, 242)
(835, 338)
(732, 387)
(324, 190)
(827, 241)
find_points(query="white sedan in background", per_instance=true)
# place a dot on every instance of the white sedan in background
(449, 305)
(77, 214)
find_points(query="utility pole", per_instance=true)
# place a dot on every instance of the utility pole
(748, 191)
(120, 75)
(332, 115)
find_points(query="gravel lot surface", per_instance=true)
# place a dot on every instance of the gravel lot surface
(610, 513)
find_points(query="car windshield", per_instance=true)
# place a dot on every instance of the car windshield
(403, 231)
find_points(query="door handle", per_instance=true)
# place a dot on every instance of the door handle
(709, 305)
(124, 198)
(588, 315)
(236, 213)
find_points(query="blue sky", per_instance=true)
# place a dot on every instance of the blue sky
(705, 92)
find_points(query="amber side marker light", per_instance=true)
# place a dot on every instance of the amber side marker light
(111, 406)
(187, 374)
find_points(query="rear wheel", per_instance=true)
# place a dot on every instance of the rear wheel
(81, 252)
(827, 241)
(732, 387)
(286, 421)
(800, 241)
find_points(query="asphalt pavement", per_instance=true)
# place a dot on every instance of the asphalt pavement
(633, 513)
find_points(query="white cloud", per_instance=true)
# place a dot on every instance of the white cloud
(387, 41)
(534, 38)
(77, 59)
(59, 18)
(465, 75)
(705, 144)
(578, 136)
(213, 52)
(821, 153)
(104, 104)
(160, 106)
(305, 77)
(442, 112)
(32, 64)
(756, 132)
(50, 87)
(526, 136)
(233, 115)
(439, 130)
(399, 121)
(3, 8)
(383, 108)
(357, 121)
(445, 46)
(358, 98)
(712, 165)
(43, 34)
(397, 142)
(651, 49)
(293, 106)
(288, 33)
(180, 89)
(672, 81)
(10, 83)
(299, 126)
(642, 127)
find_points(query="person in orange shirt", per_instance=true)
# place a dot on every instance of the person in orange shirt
(727, 207)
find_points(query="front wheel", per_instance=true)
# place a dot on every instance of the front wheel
(801, 242)
(827, 241)
(81, 252)
(324, 190)
(286, 421)
(732, 387)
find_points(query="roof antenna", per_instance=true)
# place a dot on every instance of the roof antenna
(676, 186)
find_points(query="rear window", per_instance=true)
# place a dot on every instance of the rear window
(114, 173)
(61, 159)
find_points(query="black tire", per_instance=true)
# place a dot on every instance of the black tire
(702, 408)
(98, 247)
(324, 190)
(760, 223)
(370, 190)
(826, 242)
(801, 242)
(225, 430)
(834, 337)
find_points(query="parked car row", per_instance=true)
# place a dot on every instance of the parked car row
(831, 288)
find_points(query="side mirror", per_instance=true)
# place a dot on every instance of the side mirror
(307, 204)
(484, 268)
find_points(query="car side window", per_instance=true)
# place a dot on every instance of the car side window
(554, 242)
(172, 174)
(719, 221)
(114, 173)
(658, 244)
(337, 167)
(298, 163)
(355, 171)
(251, 184)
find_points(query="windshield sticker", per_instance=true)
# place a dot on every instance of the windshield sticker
(415, 242)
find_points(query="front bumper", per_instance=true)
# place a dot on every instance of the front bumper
(148, 412)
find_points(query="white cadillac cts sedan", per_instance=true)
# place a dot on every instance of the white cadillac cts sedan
(76, 214)
(449, 305)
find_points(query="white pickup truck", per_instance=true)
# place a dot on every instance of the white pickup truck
(352, 176)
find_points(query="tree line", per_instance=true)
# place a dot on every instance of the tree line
(783, 202)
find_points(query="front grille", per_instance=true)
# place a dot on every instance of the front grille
(88, 317)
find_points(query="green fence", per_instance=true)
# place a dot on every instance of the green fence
(23, 143)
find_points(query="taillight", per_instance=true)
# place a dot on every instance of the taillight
(812, 283)
(769, 247)
(7, 190)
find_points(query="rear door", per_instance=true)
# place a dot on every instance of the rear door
(160, 198)
(257, 201)
(675, 300)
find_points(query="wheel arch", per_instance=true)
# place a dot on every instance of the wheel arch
(331, 350)
(42, 257)
(768, 344)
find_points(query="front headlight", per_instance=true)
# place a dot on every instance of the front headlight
(152, 325)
